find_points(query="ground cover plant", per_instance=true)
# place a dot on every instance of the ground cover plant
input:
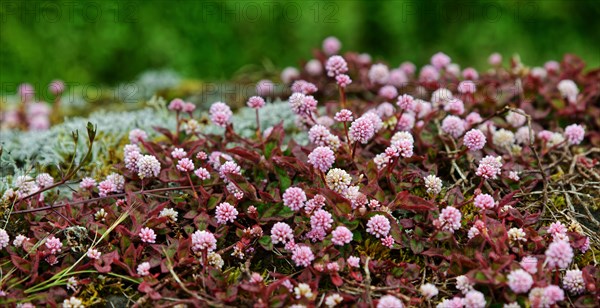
(437, 188)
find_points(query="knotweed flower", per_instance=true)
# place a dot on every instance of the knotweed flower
(514, 175)
(186, 165)
(93, 253)
(489, 167)
(19, 240)
(321, 158)
(470, 73)
(484, 201)
(406, 102)
(143, 269)
(176, 104)
(519, 281)
(375, 120)
(178, 153)
(463, 284)
(353, 261)
(388, 92)
(516, 119)
(433, 184)
(449, 219)
(343, 80)
(281, 233)
(338, 180)
(289, 73)
(220, 114)
(516, 235)
(529, 264)
(495, 59)
(44, 180)
(302, 105)
(343, 115)
(379, 73)
(256, 102)
(202, 173)
(559, 254)
(4, 239)
(225, 212)
(522, 135)
(453, 126)
(303, 256)
(573, 282)
(538, 73)
(440, 60)
(148, 166)
(72, 302)
(569, 90)
(87, 183)
(336, 65)
(406, 122)
(188, 107)
(170, 213)
(467, 87)
(474, 140)
(558, 231)
(303, 290)
(147, 235)
(504, 138)
(137, 135)
(428, 73)
(341, 236)
(294, 198)
(229, 167)
(554, 293)
(131, 159)
(388, 241)
(574, 134)
(331, 45)
(455, 106)
(473, 118)
(389, 301)
(53, 244)
(265, 88)
(474, 299)
(304, 87)
(321, 219)
(203, 240)
(552, 66)
(385, 110)
(378, 226)
(428, 290)
(314, 67)
(333, 300)
(361, 130)
(441, 96)
(455, 302)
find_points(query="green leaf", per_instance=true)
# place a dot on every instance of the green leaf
(284, 178)
(266, 242)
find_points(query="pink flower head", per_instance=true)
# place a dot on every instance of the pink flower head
(331, 45)
(398, 78)
(202, 173)
(569, 90)
(336, 65)
(147, 166)
(484, 201)
(529, 264)
(44, 180)
(557, 230)
(470, 73)
(304, 87)
(467, 87)
(440, 60)
(302, 256)
(574, 134)
(379, 73)
(455, 302)
(495, 59)
(388, 92)
(289, 74)
(281, 233)
(404, 147)
(343, 80)
(220, 114)
(321, 158)
(5, 239)
(559, 254)
(361, 130)
(343, 115)
(226, 212)
(453, 126)
(203, 240)
(406, 122)
(137, 135)
(294, 198)
(178, 153)
(449, 219)
(389, 301)
(406, 102)
(314, 67)
(53, 244)
(188, 107)
(341, 236)
(408, 67)
(388, 241)
(516, 119)
(93, 254)
(147, 235)
(265, 88)
(321, 219)
(455, 106)
(489, 167)
(573, 282)
(473, 118)
(474, 299)
(353, 261)
(519, 281)
(56, 87)
(474, 140)
(176, 104)
(554, 294)
(302, 105)
(185, 165)
(552, 66)
(105, 187)
(229, 167)
(586, 245)
(143, 269)
(379, 226)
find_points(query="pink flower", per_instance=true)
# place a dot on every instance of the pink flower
(552, 66)
(361, 130)
(202, 173)
(495, 59)
(343, 115)
(201, 155)
(93, 254)
(185, 165)
(473, 118)
(226, 212)
(455, 106)
(408, 67)
(484, 201)
(203, 240)
(559, 254)
(353, 261)
(220, 114)
(453, 126)
(4, 239)
(304, 87)
(489, 167)
(398, 78)
(44, 180)
(105, 187)
(56, 87)
(26, 92)
(574, 134)
(294, 198)
(229, 167)
(343, 80)
(573, 282)
(53, 244)
(87, 183)
(341, 236)
(557, 230)
(321, 219)
(336, 65)
(178, 153)
(379, 226)
(147, 166)
(449, 219)
(440, 60)
(474, 299)
(379, 73)
(265, 88)
(143, 269)
(176, 104)
(455, 302)
(256, 102)
(554, 294)
(281, 233)
(388, 241)
(302, 256)
(389, 301)
(569, 90)
(404, 147)
(147, 235)
(333, 267)
(467, 87)
(529, 264)
(516, 119)
(406, 102)
(188, 107)
(519, 281)
(331, 45)
(585, 246)
(474, 140)
(137, 135)
(406, 122)
(314, 67)
(302, 105)
(289, 73)
(388, 92)
(321, 158)
(470, 73)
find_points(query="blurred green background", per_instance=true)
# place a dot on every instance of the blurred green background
(110, 42)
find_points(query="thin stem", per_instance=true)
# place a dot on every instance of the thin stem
(342, 97)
